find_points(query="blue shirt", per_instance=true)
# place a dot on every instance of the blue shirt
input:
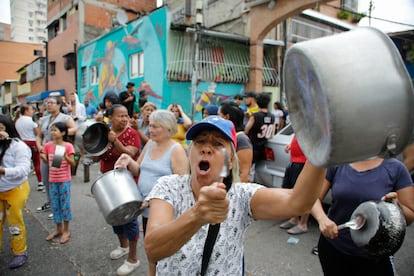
(91, 110)
(351, 187)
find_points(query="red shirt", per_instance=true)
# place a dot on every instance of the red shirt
(296, 154)
(129, 137)
(63, 173)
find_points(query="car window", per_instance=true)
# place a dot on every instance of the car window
(288, 130)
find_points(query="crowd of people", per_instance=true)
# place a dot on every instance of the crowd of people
(178, 164)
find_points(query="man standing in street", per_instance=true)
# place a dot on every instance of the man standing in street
(128, 98)
(250, 101)
(260, 126)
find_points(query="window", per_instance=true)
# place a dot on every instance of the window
(94, 74)
(31, 30)
(31, 38)
(63, 22)
(53, 29)
(23, 78)
(70, 61)
(37, 53)
(52, 68)
(136, 65)
(83, 77)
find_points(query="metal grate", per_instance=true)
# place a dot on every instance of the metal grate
(219, 60)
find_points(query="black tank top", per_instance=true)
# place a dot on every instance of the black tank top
(263, 129)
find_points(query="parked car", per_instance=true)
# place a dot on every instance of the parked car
(270, 172)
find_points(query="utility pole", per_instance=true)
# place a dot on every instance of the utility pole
(369, 12)
(197, 34)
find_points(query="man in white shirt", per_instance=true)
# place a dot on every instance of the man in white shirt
(27, 131)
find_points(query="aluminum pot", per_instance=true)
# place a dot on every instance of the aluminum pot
(384, 229)
(349, 96)
(117, 196)
(92, 136)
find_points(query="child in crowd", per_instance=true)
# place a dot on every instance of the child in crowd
(60, 181)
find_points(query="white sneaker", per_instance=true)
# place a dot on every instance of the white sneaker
(127, 267)
(50, 217)
(118, 253)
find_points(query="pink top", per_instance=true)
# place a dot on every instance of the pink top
(61, 174)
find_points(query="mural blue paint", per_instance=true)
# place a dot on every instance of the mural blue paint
(134, 53)
(138, 53)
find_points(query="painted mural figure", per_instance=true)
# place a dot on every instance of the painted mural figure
(109, 80)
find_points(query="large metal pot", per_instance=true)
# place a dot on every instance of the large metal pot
(92, 136)
(384, 229)
(117, 195)
(350, 97)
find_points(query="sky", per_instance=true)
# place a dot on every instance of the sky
(5, 11)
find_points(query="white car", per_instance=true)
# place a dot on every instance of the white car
(270, 172)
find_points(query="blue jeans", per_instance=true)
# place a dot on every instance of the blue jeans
(129, 230)
(59, 193)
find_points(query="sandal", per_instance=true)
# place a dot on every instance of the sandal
(65, 238)
(287, 225)
(53, 235)
(296, 230)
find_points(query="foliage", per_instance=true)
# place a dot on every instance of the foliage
(344, 15)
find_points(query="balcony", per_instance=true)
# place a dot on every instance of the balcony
(23, 89)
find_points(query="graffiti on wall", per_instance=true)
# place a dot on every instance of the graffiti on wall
(134, 53)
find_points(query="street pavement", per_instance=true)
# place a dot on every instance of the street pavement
(267, 249)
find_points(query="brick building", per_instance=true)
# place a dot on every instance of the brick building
(71, 23)
(5, 31)
(14, 55)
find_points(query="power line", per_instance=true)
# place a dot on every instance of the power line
(377, 18)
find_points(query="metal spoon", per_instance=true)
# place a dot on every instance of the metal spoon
(355, 224)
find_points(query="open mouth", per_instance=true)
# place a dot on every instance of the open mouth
(204, 166)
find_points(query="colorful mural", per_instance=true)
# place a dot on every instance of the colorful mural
(137, 53)
(132, 53)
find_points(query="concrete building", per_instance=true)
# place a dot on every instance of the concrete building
(287, 22)
(14, 55)
(28, 20)
(71, 23)
(5, 31)
(31, 79)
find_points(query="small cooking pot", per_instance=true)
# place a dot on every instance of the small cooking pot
(117, 196)
(340, 97)
(383, 231)
(58, 156)
(92, 136)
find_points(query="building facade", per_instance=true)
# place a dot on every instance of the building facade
(5, 31)
(71, 23)
(28, 20)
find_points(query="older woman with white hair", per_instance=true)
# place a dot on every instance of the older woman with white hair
(161, 155)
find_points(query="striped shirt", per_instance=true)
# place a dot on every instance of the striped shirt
(61, 174)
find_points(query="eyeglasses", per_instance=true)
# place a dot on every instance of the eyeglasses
(51, 102)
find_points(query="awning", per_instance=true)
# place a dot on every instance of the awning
(43, 95)
(219, 60)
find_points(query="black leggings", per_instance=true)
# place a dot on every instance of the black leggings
(336, 263)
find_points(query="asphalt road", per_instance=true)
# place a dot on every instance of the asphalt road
(267, 249)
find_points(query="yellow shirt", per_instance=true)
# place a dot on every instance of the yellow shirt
(252, 109)
(179, 136)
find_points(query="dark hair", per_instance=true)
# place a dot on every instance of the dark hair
(62, 128)
(11, 131)
(10, 128)
(238, 97)
(111, 111)
(23, 108)
(278, 105)
(112, 97)
(235, 114)
(263, 100)
(102, 105)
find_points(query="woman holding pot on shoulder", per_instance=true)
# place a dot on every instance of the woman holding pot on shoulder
(351, 184)
(124, 140)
